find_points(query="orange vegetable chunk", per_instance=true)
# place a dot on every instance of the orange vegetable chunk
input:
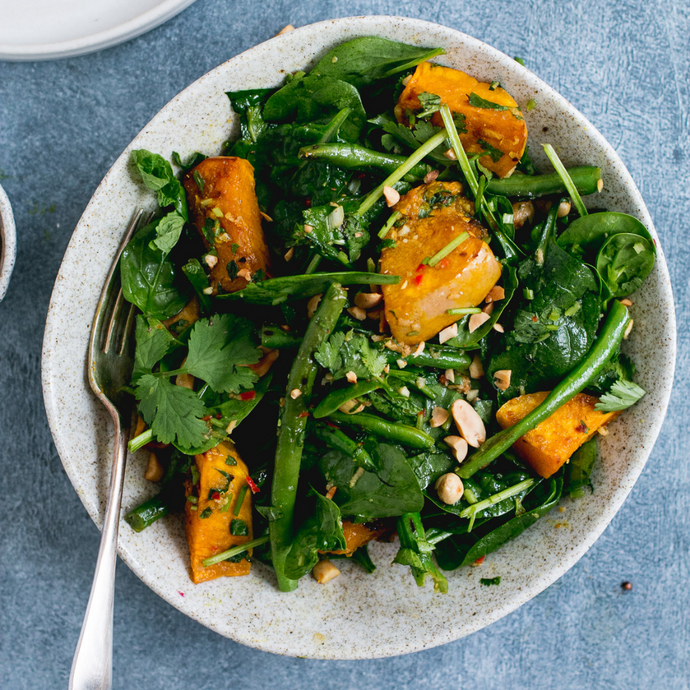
(222, 190)
(550, 444)
(434, 215)
(503, 130)
(208, 527)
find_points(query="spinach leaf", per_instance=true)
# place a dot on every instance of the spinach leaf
(168, 231)
(157, 174)
(591, 231)
(321, 531)
(428, 467)
(317, 98)
(579, 469)
(278, 290)
(148, 277)
(465, 549)
(624, 261)
(412, 137)
(362, 61)
(396, 407)
(390, 491)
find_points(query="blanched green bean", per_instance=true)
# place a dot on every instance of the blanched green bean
(587, 180)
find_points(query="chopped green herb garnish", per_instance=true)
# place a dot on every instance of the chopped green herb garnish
(238, 528)
(205, 513)
(479, 102)
(489, 581)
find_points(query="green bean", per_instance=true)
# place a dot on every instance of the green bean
(606, 344)
(586, 178)
(147, 513)
(275, 338)
(398, 433)
(293, 422)
(335, 399)
(415, 551)
(335, 438)
(354, 157)
(435, 356)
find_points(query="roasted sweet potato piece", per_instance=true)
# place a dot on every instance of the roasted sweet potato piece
(434, 215)
(501, 127)
(550, 444)
(223, 205)
(357, 535)
(208, 521)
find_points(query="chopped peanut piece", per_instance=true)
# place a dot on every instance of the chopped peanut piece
(324, 571)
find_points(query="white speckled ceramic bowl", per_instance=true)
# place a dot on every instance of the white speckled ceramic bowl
(356, 616)
(8, 243)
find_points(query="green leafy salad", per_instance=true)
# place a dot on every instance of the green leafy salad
(370, 315)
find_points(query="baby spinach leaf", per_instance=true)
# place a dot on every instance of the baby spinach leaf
(390, 491)
(241, 101)
(624, 261)
(157, 174)
(364, 60)
(464, 549)
(428, 467)
(148, 277)
(317, 98)
(321, 531)
(278, 290)
(579, 469)
(591, 231)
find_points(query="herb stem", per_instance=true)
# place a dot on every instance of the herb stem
(313, 264)
(443, 253)
(140, 441)
(389, 224)
(465, 310)
(234, 551)
(567, 180)
(426, 148)
(472, 510)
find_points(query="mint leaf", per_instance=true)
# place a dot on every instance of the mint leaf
(153, 342)
(217, 347)
(173, 413)
(157, 174)
(168, 231)
(622, 395)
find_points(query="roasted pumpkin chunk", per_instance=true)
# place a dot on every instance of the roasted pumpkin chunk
(212, 526)
(360, 534)
(433, 215)
(550, 444)
(222, 201)
(491, 119)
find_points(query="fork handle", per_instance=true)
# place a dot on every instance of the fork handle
(92, 667)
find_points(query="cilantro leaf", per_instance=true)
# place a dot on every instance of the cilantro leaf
(479, 102)
(219, 349)
(496, 154)
(168, 231)
(413, 137)
(430, 102)
(173, 413)
(153, 342)
(345, 352)
(622, 395)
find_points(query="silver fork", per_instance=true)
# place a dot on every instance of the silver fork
(110, 368)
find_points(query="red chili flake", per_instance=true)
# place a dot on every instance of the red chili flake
(443, 263)
(180, 593)
(215, 495)
(250, 483)
(206, 418)
(219, 415)
(248, 395)
(582, 428)
(421, 267)
(535, 319)
(308, 203)
(302, 415)
(418, 279)
(334, 426)
(362, 176)
(480, 560)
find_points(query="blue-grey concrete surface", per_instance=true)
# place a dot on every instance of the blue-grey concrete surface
(625, 65)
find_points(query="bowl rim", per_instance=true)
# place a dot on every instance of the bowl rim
(8, 246)
(599, 523)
